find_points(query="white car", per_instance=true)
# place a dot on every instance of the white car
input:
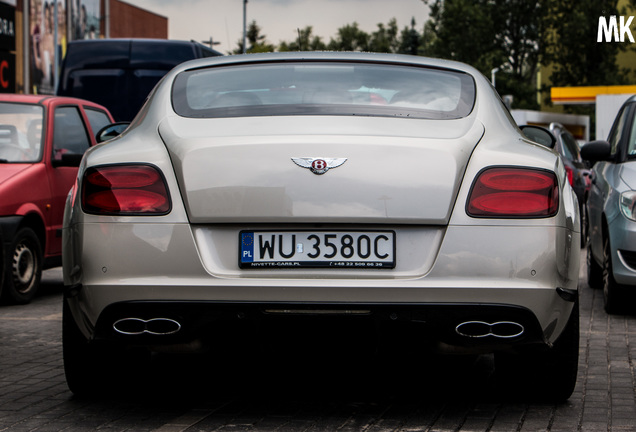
(308, 189)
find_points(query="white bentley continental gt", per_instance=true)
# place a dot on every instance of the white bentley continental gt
(389, 194)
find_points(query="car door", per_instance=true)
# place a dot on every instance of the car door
(70, 137)
(97, 119)
(606, 179)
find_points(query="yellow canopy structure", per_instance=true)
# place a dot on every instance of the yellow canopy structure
(586, 94)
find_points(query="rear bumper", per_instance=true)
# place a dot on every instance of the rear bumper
(199, 325)
(8, 227)
(167, 267)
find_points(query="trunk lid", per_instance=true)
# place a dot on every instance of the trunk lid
(240, 170)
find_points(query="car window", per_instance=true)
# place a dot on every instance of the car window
(617, 130)
(142, 82)
(97, 119)
(69, 132)
(324, 88)
(631, 144)
(570, 146)
(96, 85)
(164, 55)
(20, 132)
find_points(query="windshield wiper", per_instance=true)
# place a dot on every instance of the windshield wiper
(4, 161)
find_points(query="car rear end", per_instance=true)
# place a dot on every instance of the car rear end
(441, 224)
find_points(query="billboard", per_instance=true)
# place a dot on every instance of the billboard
(85, 19)
(7, 48)
(7, 27)
(51, 24)
(47, 30)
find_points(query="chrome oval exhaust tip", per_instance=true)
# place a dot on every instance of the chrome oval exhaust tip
(499, 329)
(153, 326)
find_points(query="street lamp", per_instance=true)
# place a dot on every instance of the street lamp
(211, 42)
(244, 26)
(492, 75)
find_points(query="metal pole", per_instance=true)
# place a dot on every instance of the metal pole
(244, 26)
(56, 59)
(27, 48)
(107, 19)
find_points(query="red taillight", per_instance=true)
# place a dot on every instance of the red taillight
(125, 190)
(570, 175)
(128, 176)
(514, 193)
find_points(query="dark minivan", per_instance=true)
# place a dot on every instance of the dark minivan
(120, 73)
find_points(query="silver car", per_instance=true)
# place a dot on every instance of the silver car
(611, 252)
(382, 194)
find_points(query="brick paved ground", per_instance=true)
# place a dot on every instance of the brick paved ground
(451, 395)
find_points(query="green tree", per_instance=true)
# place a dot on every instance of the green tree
(505, 35)
(385, 39)
(577, 57)
(350, 38)
(410, 40)
(520, 40)
(463, 30)
(256, 42)
(306, 41)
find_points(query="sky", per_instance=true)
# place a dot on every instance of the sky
(279, 20)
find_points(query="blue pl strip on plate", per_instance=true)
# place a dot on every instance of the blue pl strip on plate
(247, 247)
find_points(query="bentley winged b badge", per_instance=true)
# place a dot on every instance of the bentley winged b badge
(318, 165)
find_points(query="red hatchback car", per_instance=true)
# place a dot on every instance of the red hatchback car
(42, 140)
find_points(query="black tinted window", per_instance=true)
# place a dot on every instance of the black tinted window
(69, 132)
(631, 143)
(98, 85)
(618, 129)
(166, 55)
(143, 81)
(95, 54)
(97, 119)
(570, 147)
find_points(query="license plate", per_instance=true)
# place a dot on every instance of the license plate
(334, 249)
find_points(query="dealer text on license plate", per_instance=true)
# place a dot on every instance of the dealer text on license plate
(334, 249)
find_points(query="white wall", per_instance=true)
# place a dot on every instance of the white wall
(607, 107)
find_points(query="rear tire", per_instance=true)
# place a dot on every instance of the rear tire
(83, 363)
(547, 375)
(97, 369)
(1, 263)
(584, 227)
(613, 292)
(23, 267)
(594, 271)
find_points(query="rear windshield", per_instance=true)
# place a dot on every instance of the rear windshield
(323, 88)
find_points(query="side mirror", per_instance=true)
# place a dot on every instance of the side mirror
(539, 135)
(111, 131)
(595, 151)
